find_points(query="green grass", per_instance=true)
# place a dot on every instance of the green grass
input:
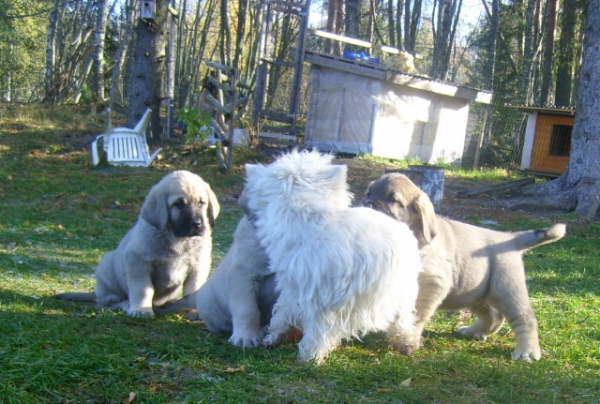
(59, 215)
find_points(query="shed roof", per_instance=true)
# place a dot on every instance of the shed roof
(543, 109)
(404, 79)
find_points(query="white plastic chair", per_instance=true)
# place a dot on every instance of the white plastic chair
(124, 146)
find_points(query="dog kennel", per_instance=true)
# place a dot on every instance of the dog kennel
(362, 108)
(547, 142)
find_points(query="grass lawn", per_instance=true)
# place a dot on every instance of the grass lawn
(59, 215)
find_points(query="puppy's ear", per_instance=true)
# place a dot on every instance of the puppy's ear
(213, 207)
(155, 209)
(426, 220)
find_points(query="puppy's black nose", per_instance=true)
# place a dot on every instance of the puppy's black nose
(194, 224)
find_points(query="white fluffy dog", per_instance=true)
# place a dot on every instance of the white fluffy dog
(341, 272)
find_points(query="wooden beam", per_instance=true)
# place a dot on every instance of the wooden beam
(223, 86)
(498, 187)
(217, 105)
(219, 66)
(354, 41)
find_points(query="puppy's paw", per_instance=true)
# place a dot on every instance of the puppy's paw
(244, 342)
(192, 315)
(471, 333)
(405, 348)
(406, 344)
(141, 312)
(527, 354)
(271, 340)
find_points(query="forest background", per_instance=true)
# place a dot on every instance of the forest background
(84, 52)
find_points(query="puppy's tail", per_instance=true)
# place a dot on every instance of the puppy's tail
(534, 238)
(186, 303)
(77, 296)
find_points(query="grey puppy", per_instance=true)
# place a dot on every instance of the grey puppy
(465, 266)
(239, 295)
(166, 253)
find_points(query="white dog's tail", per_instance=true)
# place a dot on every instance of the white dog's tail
(534, 238)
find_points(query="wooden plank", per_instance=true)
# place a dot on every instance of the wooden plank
(280, 136)
(223, 86)
(276, 116)
(278, 129)
(498, 187)
(219, 66)
(354, 41)
(349, 67)
(217, 105)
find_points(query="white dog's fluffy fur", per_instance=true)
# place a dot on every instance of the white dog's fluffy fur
(341, 272)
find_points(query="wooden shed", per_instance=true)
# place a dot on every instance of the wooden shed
(547, 139)
(362, 108)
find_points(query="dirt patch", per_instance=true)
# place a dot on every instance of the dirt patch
(479, 207)
(476, 209)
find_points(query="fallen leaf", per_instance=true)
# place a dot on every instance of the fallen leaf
(406, 383)
(235, 370)
(130, 398)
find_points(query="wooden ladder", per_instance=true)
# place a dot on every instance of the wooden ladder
(279, 126)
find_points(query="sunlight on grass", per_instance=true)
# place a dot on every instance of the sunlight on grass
(59, 215)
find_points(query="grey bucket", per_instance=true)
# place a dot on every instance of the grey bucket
(432, 183)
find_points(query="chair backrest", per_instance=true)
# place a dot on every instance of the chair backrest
(126, 148)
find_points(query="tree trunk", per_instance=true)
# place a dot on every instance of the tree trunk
(530, 51)
(548, 51)
(391, 23)
(332, 20)
(51, 52)
(399, 14)
(225, 48)
(448, 13)
(412, 20)
(98, 50)
(578, 188)
(116, 79)
(353, 22)
(148, 73)
(564, 72)
(240, 37)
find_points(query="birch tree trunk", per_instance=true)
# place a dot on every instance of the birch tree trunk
(98, 51)
(225, 48)
(51, 52)
(117, 75)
